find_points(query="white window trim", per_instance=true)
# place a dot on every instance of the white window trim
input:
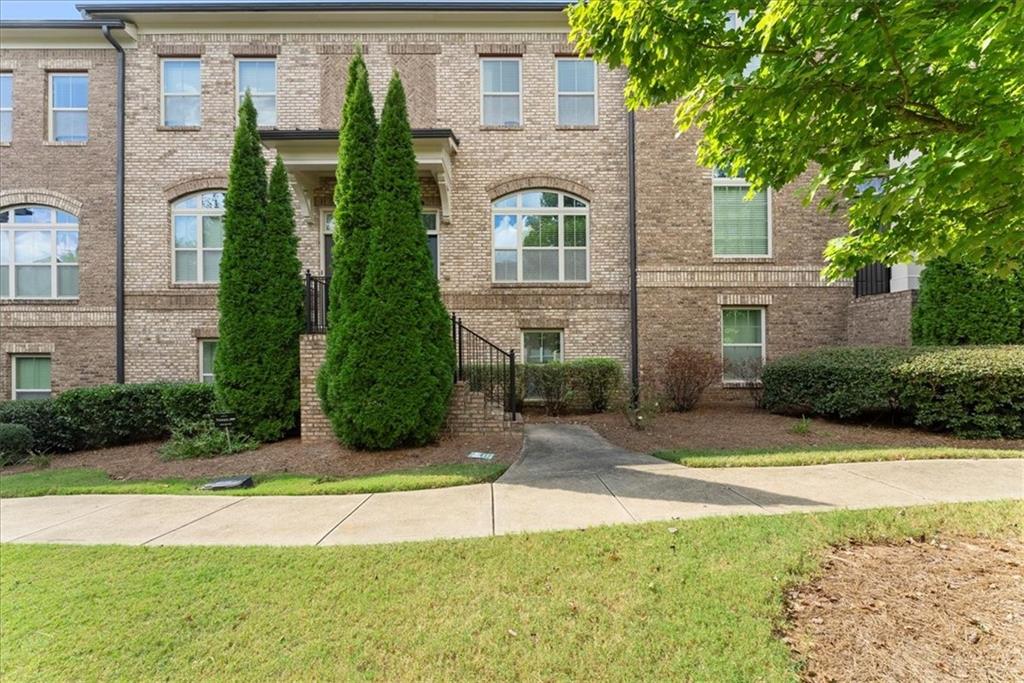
(485, 93)
(240, 94)
(202, 375)
(325, 213)
(593, 93)
(7, 232)
(10, 109)
(547, 330)
(436, 233)
(14, 373)
(722, 345)
(199, 249)
(54, 109)
(739, 182)
(164, 94)
(561, 212)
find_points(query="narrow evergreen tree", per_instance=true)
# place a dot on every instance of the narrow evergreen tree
(257, 305)
(396, 378)
(353, 205)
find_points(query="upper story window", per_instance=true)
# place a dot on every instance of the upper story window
(198, 222)
(742, 227)
(540, 236)
(6, 107)
(69, 107)
(259, 77)
(577, 92)
(501, 92)
(38, 253)
(181, 92)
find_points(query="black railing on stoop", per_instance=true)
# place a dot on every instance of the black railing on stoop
(485, 367)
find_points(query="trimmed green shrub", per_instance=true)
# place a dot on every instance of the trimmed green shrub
(353, 211)
(15, 443)
(841, 382)
(396, 377)
(958, 304)
(260, 296)
(201, 439)
(594, 381)
(109, 415)
(550, 383)
(974, 392)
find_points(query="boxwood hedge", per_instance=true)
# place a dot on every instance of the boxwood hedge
(971, 391)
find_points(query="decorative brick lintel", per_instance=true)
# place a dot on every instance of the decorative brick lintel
(414, 49)
(206, 332)
(341, 49)
(256, 50)
(30, 347)
(179, 50)
(501, 49)
(744, 299)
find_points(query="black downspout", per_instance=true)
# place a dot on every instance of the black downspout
(634, 343)
(119, 220)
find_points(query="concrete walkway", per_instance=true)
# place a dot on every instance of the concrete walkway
(568, 478)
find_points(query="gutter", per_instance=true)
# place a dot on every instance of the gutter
(328, 6)
(119, 220)
(634, 335)
(59, 23)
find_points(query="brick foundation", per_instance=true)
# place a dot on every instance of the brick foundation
(880, 319)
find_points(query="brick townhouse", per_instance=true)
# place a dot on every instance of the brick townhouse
(561, 225)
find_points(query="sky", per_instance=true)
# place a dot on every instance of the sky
(44, 9)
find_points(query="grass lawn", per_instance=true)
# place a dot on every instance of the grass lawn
(73, 481)
(696, 600)
(823, 455)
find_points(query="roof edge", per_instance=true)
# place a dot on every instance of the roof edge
(92, 9)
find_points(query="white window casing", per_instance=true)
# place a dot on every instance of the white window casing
(69, 107)
(501, 92)
(744, 330)
(207, 353)
(741, 228)
(6, 107)
(258, 75)
(38, 253)
(31, 377)
(197, 238)
(180, 92)
(575, 92)
(540, 236)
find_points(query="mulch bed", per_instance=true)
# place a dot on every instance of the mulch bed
(142, 461)
(739, 425)
(950, 610)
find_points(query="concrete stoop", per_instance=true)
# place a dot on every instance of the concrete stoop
(471, 413)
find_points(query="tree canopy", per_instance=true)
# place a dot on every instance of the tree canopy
(910, 114)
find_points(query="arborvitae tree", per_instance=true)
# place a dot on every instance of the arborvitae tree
(257, 306)
(396, 379)
(961, 304)
(353, 204)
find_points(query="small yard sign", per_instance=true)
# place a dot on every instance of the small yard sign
(224, 420)
(477, 455)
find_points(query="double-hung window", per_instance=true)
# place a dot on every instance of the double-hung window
(198, 226)
(207, 352)
(742, 344)
(540, 236)
(501, 92)
(259, 77)
(69, 107)
(31, 378)
(430, 226)
(742, 227)
(38, 253)
(181, 93)
(577, 92)
(6, 107)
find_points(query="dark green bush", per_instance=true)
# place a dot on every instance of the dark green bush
(109, 415)
(958, 304)
(843, 383)
(976, 392)
(594, 382)
(15, 443)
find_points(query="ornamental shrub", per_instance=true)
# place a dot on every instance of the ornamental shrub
(594, 382)
(51, 432)
(256, 365)
(353, 210)
(396, 376)
(15, 443)
(550, 383)
(685, 374)
(958, 304)
(839, 382)
(975, 392)
(201, 439)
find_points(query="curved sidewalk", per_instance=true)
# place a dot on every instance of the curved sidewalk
(568, 478)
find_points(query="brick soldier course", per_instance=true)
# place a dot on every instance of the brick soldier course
(682, 288)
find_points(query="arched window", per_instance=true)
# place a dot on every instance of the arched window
(540, 236)
(38, 253)
(198, 224)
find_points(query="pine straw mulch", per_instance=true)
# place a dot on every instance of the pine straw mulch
(950, 610)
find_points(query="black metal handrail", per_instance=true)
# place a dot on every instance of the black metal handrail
(318, 288)
(873, 279)
(487, 369)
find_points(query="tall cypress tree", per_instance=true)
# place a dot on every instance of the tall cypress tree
(396, 378)
(256, 306)
(353, 205)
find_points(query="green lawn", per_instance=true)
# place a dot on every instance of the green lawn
(823, 455)
(71, 481)
(697, 600)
